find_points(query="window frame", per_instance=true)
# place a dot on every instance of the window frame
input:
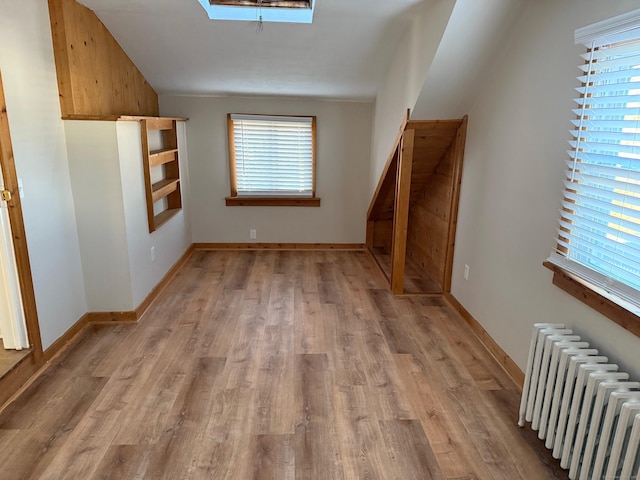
(236, 200)
(582, 286)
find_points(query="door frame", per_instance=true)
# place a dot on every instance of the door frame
(11, 382)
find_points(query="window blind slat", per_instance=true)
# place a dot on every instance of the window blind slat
(273, 155)
(614, 198)
(599, 223)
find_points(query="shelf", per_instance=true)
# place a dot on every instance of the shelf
(161, 157)
(166, 156)
(163, 188)
(164, 216)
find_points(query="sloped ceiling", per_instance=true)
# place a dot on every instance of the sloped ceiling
(475, 35)
(342, 55)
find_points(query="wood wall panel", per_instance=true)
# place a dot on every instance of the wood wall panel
(95, 76)
(382, 233)
(429, 222)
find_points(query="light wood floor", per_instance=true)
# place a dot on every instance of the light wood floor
(275, 365)
(416, 280)
(9, 359)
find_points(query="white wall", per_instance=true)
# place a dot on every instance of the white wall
(405, 78)
(107, 176)
(28, 71)
(512, 180)
(173, 238)
(94, 167)
(465, 54)
(343, 151)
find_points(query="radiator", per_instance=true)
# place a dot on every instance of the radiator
(582, 406)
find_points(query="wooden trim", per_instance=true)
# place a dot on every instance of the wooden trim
(63, 69)
(279, 246)
(14, 382)
(601, 304)
(490, 344)
(137, 118)
(458, 160)
(119, 118)
(112, 317)
(401, 213)
(272, 202)
(234, 201)
(67, 337)
(433, 124)
(146, 303)
(7, 164)
(159, 123)
(313, 157)
(233, 175)
(387, 165)
(92, 118)
(144, 138)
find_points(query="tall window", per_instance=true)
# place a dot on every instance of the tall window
(272, 157)
(599, 227)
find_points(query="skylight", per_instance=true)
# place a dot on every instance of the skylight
(288, 11)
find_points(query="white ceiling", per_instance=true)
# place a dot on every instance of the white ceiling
(344, 54)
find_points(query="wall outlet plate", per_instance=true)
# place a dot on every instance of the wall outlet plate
(252, 234)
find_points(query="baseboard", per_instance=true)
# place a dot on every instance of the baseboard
(15, 380)
(490, 344)
(112, 317)
(279, 246)
(146, 303)
(66, 337)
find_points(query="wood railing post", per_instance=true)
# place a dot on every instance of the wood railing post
(401, 212)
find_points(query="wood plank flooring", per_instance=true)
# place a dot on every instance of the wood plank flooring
(416, 280)
(9, 359)
(275, 365)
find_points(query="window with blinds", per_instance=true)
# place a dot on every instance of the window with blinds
(599, 226)
(272, 156)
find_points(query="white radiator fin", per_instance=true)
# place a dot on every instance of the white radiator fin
(587, 412)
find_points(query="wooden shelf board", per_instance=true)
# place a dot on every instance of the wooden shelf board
(272, 201)
(137, 118)
(163, 188)
(121, 118)
(161, 157)
(165, 216)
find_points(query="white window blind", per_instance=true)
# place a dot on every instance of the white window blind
(599, 227)
(273, 155)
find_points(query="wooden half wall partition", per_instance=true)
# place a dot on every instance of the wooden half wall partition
(412, 218)
(95, 76)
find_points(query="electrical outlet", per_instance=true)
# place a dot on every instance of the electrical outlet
(466, 272)
(153, 254)
(252, 234)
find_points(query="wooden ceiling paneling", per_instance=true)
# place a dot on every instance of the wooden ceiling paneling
(433, 140)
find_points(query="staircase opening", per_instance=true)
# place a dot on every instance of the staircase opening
(411, 223)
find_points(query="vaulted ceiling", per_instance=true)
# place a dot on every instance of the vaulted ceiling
(344, 54)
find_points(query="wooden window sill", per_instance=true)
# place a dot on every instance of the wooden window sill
(272, 202)
(590, 297)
